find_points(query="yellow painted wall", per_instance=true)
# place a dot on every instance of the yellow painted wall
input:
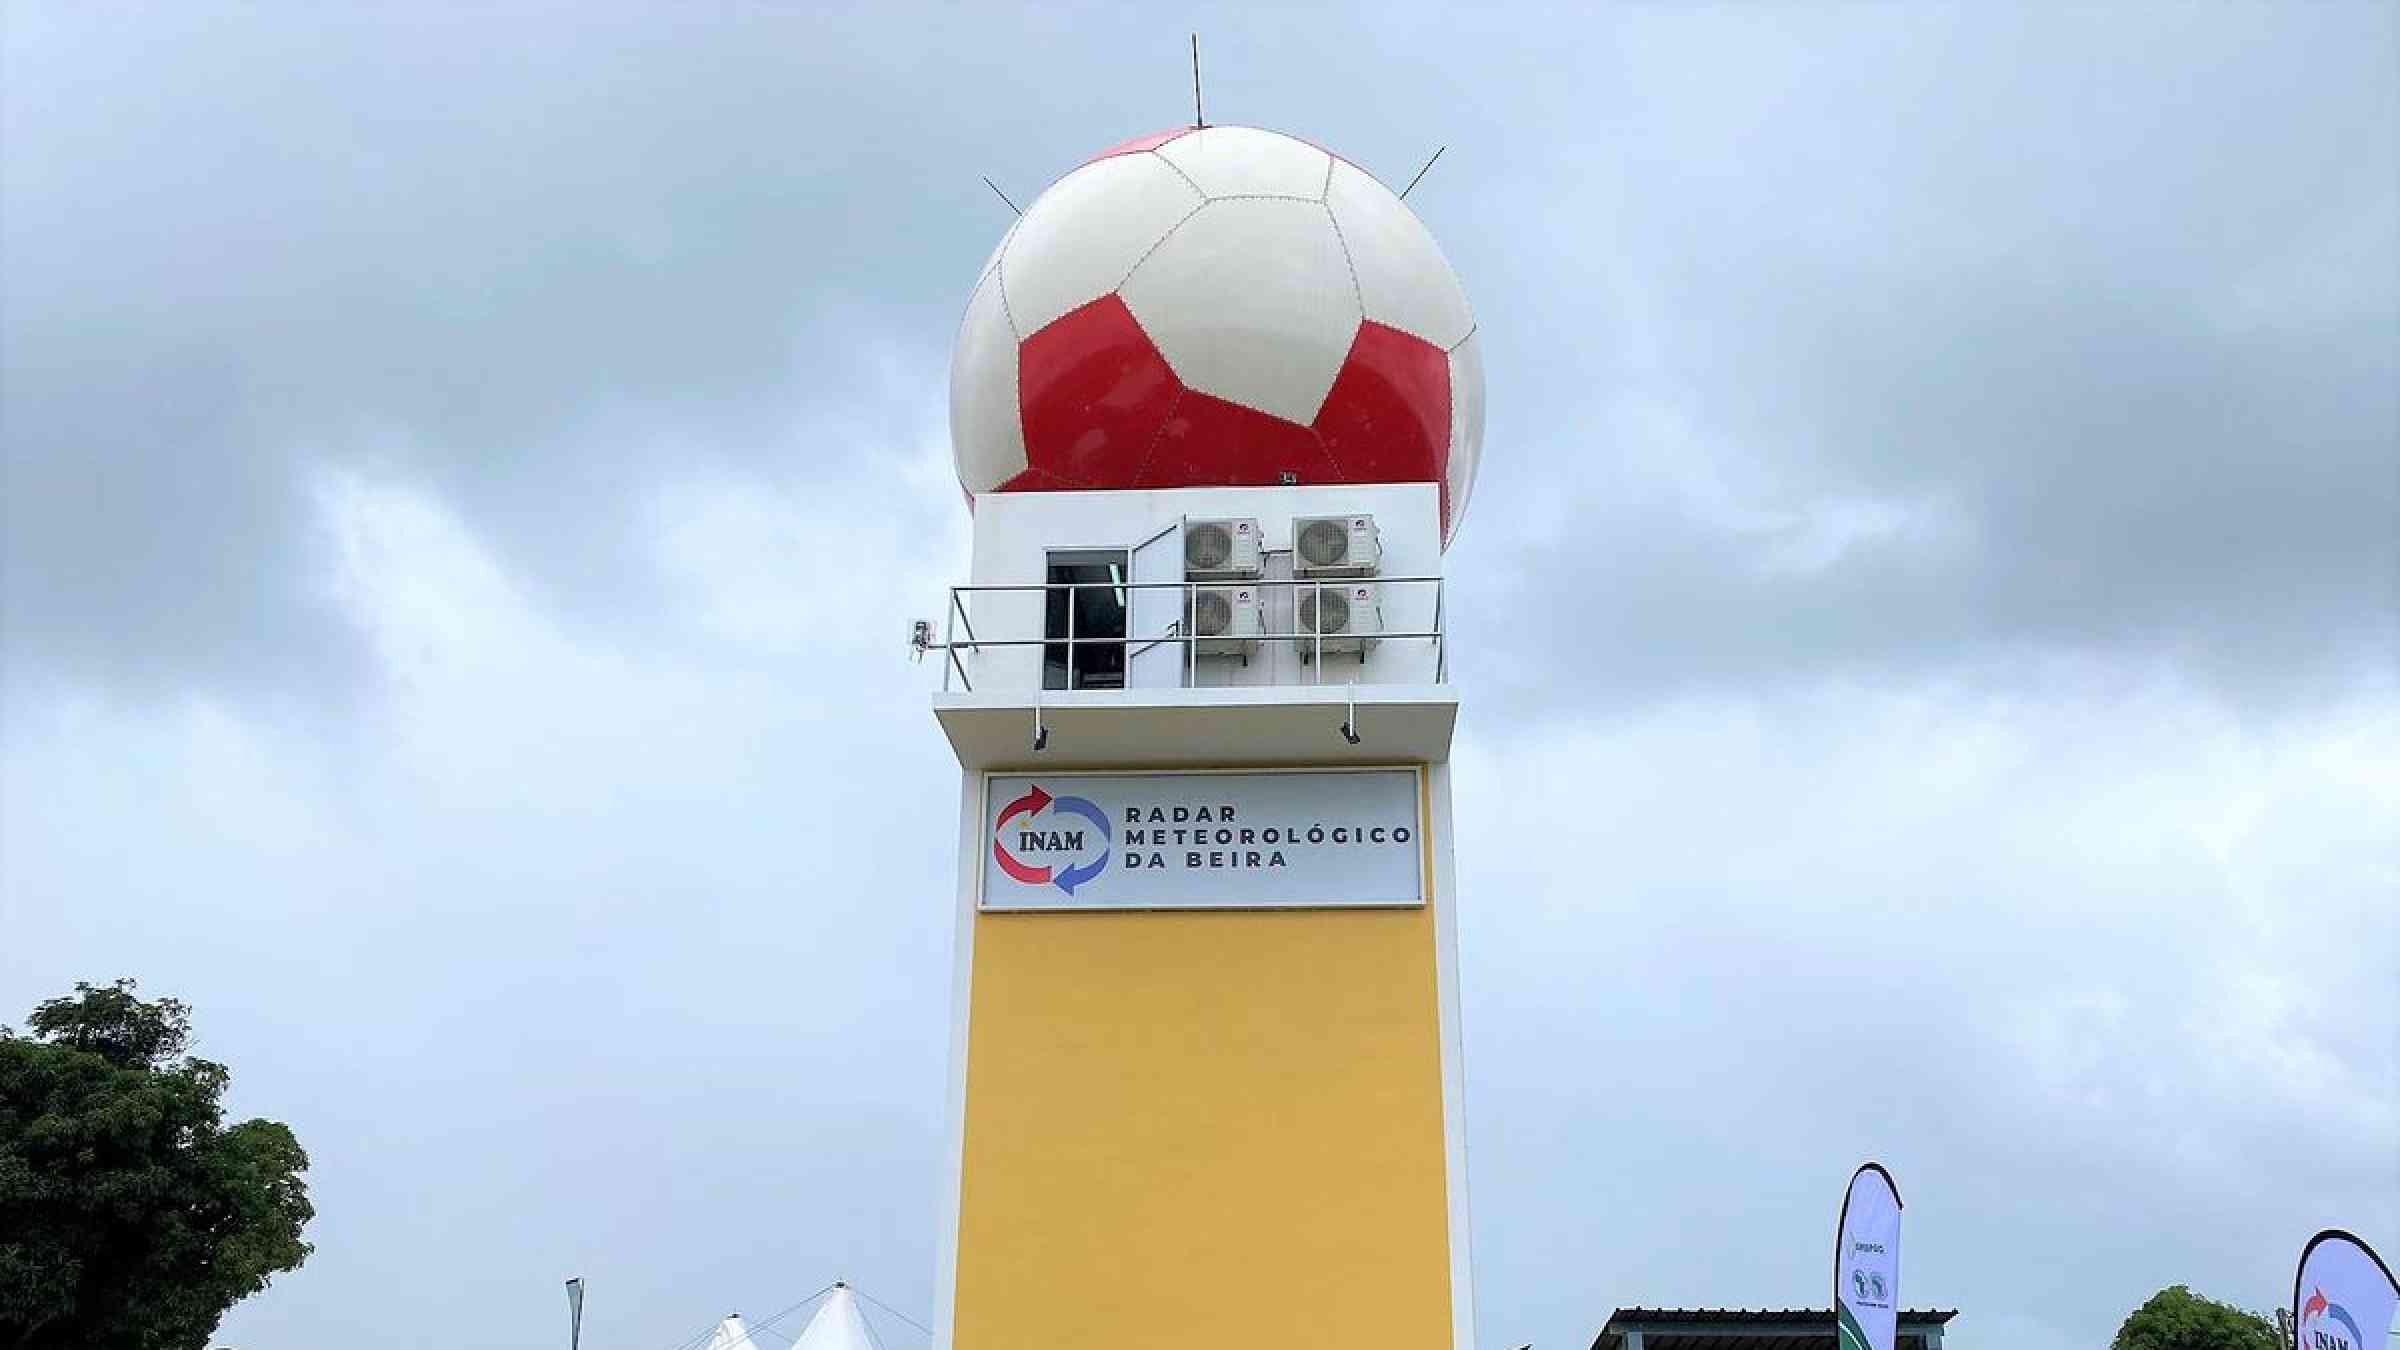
(1204, 1130)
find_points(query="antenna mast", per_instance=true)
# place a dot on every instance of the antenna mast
(1412, 183)
(1197, 119)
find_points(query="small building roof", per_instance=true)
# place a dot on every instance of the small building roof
(1754, 1328)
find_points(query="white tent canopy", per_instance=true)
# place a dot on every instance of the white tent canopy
(732, 1335)
(838, 1325)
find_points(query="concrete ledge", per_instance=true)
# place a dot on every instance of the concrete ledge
(1199, 728)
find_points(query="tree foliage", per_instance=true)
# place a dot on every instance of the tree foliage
(2175, 1318)
(131, 1215)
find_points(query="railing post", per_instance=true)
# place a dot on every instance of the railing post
(949, 631)
(1189, 631)
(1316, 673)
(1071, 588)
(1441, 648)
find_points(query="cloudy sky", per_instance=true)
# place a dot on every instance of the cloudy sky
(1927, 622)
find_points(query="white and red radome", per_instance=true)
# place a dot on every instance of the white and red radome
(1217, 306)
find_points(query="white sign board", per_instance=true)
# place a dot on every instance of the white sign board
(1301, 839)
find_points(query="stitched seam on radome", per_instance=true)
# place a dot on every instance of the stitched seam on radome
(1266, 197)
(1447, 270)
(1325, 445)
(1319, 441)
(989, 273)
(1358, 294)
(1151, 451)
(1162, 239)
(1197, 190)
(1160, 151)
(1353, 166)
(973, 295)
(1405, 330)
(1325, 193)
(1000, 274)
(1460, 287)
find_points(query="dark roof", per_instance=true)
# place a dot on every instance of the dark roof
(1936, 1316)
(1750, 1329)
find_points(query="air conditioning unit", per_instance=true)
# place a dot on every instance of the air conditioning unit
(1335, 546)
(1224, 620)
(1337, 619)
(1221, 550)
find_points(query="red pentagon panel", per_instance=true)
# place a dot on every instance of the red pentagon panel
(1141, 143)
(1387, 418)
(1036, 480)
(1091, 392)
(1208, 441)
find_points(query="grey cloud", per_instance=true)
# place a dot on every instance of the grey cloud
(2129, 348)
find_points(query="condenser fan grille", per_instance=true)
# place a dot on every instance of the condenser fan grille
(1324, 612)
(1212, 614)
(1324, 543)
(1207, 547)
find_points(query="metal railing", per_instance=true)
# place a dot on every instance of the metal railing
(957, 617)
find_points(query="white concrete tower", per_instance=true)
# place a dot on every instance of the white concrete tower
(1216, 405)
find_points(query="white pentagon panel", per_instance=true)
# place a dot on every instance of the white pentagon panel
(986, 435)
(1080, 238)
(1251, 301)
(1404, 282)
(1244, 161)
(1466, 423)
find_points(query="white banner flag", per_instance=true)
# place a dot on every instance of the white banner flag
(1866, 1262)
(2343, 1296)
(575, 1313)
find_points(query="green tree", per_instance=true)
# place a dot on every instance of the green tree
(2175, 1318)
(131, 1215)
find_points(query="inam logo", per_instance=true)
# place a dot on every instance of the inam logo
(2316, 1335)
(1020, 848)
